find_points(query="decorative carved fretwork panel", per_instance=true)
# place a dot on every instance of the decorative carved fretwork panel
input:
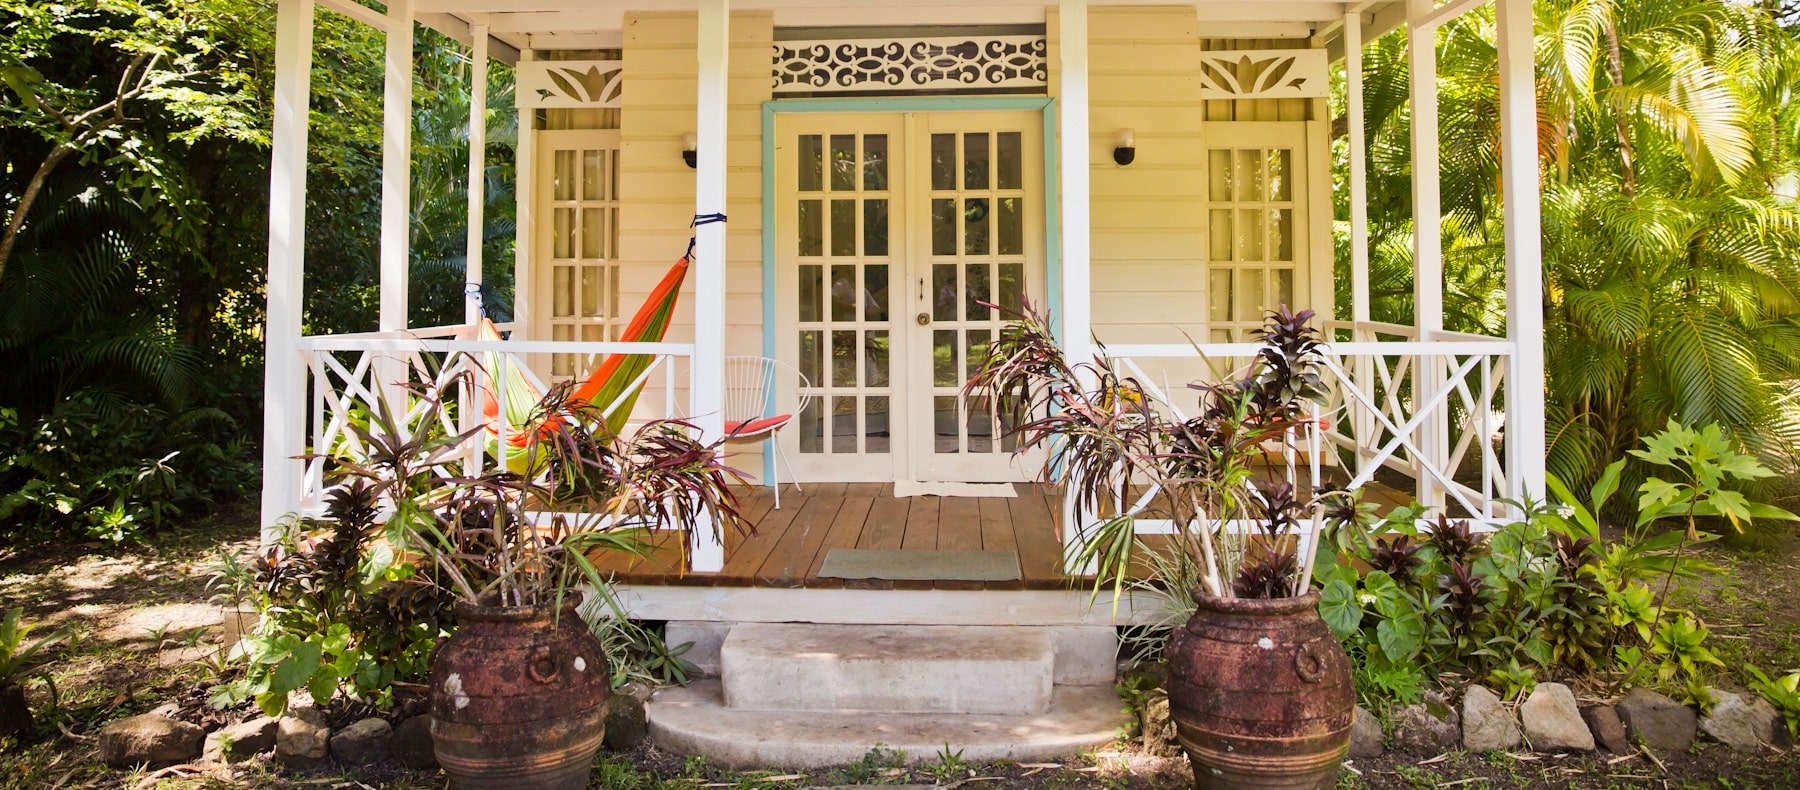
(1265, 74)
(567, 84)
(933, 63)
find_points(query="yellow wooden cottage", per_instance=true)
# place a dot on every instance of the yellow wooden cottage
(1158, 175)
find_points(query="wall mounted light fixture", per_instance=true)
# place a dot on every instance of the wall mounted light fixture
(1126, 151)
(688, 145)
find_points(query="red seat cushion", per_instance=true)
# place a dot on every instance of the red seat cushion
(757, 426)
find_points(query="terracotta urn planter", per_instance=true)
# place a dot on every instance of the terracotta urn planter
(1260, 692)
(518, 700)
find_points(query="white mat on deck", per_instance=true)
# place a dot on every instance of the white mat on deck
(906, 488)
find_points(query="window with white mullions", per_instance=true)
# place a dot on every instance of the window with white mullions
(1256, 246)
(583, 207)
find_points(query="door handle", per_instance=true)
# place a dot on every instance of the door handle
(924, 319)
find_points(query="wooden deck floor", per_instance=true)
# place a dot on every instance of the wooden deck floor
(789, 544)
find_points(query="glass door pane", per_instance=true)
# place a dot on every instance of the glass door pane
(979, 214)
(841, 323)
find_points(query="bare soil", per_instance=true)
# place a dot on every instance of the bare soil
(147, 636)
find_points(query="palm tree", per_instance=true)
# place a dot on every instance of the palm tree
(1672, 280)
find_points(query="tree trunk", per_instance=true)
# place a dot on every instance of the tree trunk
(1615, 66)
(16, 225)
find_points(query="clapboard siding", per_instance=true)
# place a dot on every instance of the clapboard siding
(1148, 219)
(660, 89)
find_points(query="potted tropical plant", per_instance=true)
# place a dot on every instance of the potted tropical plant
(518, 692)
(1259, 689)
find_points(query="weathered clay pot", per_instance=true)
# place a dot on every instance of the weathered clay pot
(1260, 692)
(15, 712)
(517, 700)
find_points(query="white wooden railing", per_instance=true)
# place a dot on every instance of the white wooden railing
(1425, 407)
(352, 376)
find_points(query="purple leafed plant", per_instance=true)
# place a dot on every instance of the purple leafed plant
(1107, 439)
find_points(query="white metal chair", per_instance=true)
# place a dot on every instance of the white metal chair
(752, 387)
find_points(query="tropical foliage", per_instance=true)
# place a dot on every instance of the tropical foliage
(1106, 439)
(133, 195)
(1669, 143)
(1544, 597)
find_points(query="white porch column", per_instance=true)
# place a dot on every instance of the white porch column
(1362, 367)
(1072, 117)
(1524, 251)
(1428, 243)
(1359, 169)
(284, 376)
(1072, 170)
(708, 378)
(396, 165)
(524, 201)
(478, 67)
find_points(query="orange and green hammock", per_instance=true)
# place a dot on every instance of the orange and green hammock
(614, 386)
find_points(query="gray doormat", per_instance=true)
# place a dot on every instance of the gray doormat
(974, 566)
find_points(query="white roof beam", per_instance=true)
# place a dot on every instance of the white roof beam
(1215, 29)
(1447, 12)
(968, 14)
(605, 39)
(358, 12)
(459, 30)
(1269, 12)
(557, 21)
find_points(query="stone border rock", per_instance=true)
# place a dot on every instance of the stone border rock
(1550, 719)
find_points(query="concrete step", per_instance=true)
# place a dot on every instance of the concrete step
(901, 669)
(696, 720)
(1086, 655)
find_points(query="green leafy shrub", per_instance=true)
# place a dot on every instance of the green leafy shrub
(634, 651)
(341, 611)
(1782, 692)
(106, 470)
(1541, 596)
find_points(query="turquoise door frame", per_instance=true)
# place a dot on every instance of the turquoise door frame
(1052, 193)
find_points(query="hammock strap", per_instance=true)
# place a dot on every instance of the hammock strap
(700, 219)
(473, 291)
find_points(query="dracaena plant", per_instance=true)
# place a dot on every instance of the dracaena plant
(1107, 438)
(505, 538)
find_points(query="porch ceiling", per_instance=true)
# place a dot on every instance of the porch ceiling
(574, 24)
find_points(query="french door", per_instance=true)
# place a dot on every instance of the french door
(897, 234)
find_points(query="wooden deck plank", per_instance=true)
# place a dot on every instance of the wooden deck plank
(922, 519)
(997, 535)
(922, 524)
(789, 560)
(667, 554)
(789, 545)
(870, 490)
(843, 534)
(741, 565)
(754, 505)
(959, 529)
(1040, 551)
(959, 524)
(996, 525)
(886, 527)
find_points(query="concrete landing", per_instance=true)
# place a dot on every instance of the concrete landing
(695, 720)
(897, 669)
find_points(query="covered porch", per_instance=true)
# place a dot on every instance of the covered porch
(1417, 411)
